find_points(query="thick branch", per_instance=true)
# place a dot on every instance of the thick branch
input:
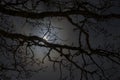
(36, 40)
(35, 15)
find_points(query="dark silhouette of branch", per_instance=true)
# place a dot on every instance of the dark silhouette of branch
(16, 49)
(40, 15)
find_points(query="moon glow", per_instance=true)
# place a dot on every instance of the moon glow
(45, 37)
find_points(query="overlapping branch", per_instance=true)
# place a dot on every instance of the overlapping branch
(40, 15)
(11, 10)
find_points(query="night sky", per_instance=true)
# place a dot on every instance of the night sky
(104, 34)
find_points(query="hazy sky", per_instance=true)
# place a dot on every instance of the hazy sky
(65, 31)
(70, 36)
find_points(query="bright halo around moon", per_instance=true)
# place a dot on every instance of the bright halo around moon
(45, 37)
